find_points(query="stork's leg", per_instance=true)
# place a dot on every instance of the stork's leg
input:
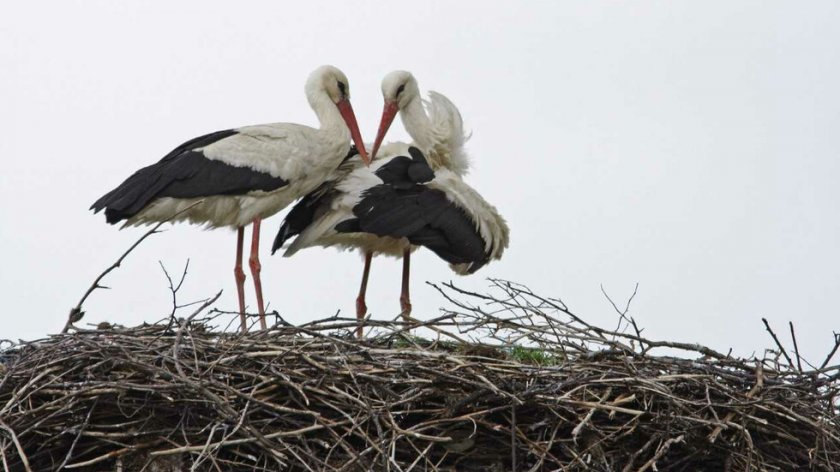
(361, 308)
(254, 262)
(405, 301)
(240, 277)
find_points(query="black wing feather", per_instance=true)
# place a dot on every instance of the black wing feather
(403, 207)
(183, 173)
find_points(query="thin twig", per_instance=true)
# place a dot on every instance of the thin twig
(795, 347)
(660, 452)
(833, 350)
(176, 346)
(76, 312)
(21, 454)
(778, 343)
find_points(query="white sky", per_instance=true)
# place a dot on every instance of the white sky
(691, 147)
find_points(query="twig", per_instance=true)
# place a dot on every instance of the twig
(779, 344)
(759, 384)
(76, 312)
(660, 452)
(629, 300)
(78, 435)
(24, 460)
(176, 346)
(622, 314)
(833, 350)
(795, 347)
(513, 436)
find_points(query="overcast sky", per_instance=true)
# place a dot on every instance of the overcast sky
(691, 147)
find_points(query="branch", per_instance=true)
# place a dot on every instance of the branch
(795, 347)
(176, 346)
(23, 459)
(833, 350)
(76, 312)
(779, 344)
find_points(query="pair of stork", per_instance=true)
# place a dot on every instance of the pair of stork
(400, 197)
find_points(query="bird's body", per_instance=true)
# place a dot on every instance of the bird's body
(237, 177)
(398, 203)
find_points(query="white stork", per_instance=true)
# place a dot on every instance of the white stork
(411, 195)
(240, 176)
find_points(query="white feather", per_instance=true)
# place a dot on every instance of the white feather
(447, 134)
(488, 222)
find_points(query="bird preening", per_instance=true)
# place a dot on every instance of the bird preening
(401, 197)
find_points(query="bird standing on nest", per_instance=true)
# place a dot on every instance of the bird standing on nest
(411, 195)
(239, 176)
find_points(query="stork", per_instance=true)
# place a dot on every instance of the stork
(411, 195)
(239, 176)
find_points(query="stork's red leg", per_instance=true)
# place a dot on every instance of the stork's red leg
(240, 277)
(405, 300)
(361, 308)
(254, 262)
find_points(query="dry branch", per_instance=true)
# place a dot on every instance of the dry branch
(76, 312)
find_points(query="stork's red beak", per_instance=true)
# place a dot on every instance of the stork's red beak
(389, 112)
(346, 111)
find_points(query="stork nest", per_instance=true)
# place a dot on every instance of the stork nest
(542, 390)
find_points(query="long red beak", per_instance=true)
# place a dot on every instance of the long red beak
(346, 111)
(389, 112)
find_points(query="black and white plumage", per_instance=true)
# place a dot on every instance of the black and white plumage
(396, 203)
(411, 195)
(237, 177)
(185, 173)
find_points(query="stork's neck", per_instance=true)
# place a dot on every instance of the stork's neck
(417, 124)
(332, 124)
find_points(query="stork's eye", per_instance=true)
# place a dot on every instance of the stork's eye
(342, 87)
(400, 90)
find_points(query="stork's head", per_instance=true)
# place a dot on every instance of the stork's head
(330, 81)
(399, 88)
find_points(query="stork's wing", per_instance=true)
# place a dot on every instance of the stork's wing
(398, 197)
(404, 206)
(425, 217)
(184, 173)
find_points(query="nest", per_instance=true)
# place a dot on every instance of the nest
(505, 381)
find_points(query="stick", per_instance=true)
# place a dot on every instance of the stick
(22, 454)
(76, 312)
(176, 346)
(833, 350)
(795, 347)
(779, 344)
